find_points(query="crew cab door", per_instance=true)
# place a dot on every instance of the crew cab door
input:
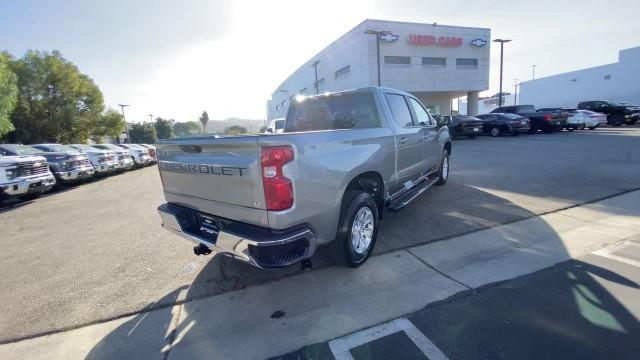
(431, 150)
(409, 141)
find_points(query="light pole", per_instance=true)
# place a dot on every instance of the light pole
(501, 41)
(151, 117)
(315, 70)
(378, 34)
(126, 126)
(533, 72)
(515, 96)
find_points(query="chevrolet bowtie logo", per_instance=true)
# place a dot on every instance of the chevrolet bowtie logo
(389, 37)
(478, 42)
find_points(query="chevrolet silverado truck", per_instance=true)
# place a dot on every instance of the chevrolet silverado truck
(103, 161)
(67, 164)
(546, 121)
(122, 156)
(271, 200)
(139, 155)
(25, 176)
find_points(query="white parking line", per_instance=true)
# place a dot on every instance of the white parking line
(340, 347)
(608, 253)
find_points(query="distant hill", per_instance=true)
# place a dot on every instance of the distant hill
(218, 126)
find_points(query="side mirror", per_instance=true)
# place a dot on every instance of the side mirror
(269, 130)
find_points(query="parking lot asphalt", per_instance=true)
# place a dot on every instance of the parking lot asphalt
(97, 251)
(585, 308)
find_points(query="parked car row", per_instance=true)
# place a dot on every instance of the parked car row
(27, 171)
(518, 119)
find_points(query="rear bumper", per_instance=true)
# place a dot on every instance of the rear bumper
(28, 186)
(519, 129)
(258, 246)
(471, 130)
(142, 160)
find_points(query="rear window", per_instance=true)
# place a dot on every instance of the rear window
(512, 116)
(279, 124)
(334, 111)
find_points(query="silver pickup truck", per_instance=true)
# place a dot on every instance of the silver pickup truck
(271, 199)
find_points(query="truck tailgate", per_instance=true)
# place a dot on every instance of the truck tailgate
(224, 170)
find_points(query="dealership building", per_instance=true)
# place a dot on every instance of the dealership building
(619, 81)
(436, 63)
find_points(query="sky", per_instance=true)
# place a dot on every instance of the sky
(177, 58)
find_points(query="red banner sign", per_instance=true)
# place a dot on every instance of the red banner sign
(430, 40)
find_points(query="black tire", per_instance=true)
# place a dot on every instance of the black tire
(31, 196)
(443, 175)
(570, 129)
(515, 133)
(547, 130)
(472, 136)
(495, 131)
(532, 130)
(592, 127)
(343, 248)
(616, 119)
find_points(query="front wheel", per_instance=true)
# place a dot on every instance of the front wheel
(358, 229)
(443, 173)
(31, 196)
(592, 127)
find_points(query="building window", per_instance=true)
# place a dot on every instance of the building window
(607, 77)
(344, 71)
(467, 63)
(434, 61)
(397, 60)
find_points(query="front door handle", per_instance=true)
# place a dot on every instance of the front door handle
(403, 140)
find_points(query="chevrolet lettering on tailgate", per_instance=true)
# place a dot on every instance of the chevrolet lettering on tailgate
(204, 169)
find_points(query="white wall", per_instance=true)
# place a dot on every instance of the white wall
(566, 90)
(358, 50)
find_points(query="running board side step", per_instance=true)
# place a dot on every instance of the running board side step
(411, 195)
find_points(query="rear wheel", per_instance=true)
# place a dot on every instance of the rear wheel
(472, 136)
(358, 229)
(592, 127)
(495, 131)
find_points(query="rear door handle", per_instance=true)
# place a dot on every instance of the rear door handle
(403, 140)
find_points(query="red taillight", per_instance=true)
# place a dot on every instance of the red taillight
(547, 117)
(278, 191)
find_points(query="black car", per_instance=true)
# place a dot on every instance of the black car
(616, 113)
(538, 120)
(565, 112)
(497, 124)
(462, 125)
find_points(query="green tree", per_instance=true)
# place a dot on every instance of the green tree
(235, 130)
(182, 129)
(56, 102)
(204, 119)
(164, 128)
(8, 93)
(142, 133)
(110, 124)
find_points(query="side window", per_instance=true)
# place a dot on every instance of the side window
(399, 110)
(422, 116)
(509, 109)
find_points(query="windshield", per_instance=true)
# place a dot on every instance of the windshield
(61, 148)
(335, 111)
(20, 149)
(611, 103)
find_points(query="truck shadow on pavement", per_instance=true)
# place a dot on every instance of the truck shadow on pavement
(236, 325)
